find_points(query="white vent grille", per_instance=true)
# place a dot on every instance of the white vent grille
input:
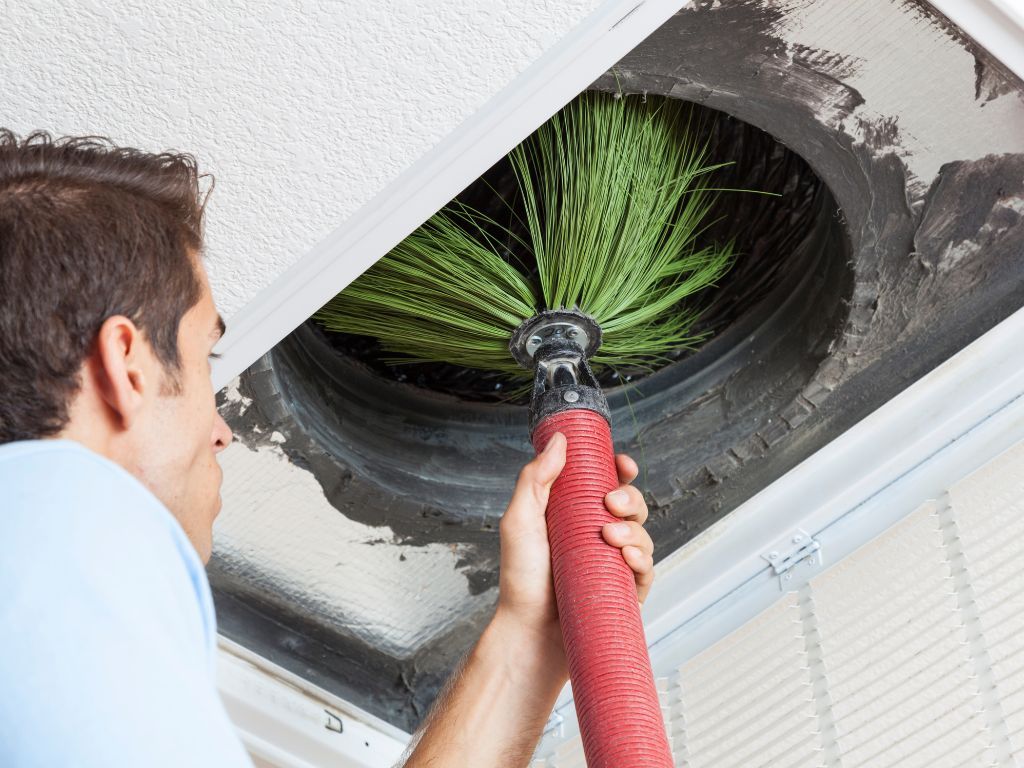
(897, 658)
(989, 513)
(748, 698)
(908, 652)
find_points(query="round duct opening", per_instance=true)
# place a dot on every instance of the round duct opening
(430, 450)
(766, 230)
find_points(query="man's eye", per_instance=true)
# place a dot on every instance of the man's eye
(215, 355)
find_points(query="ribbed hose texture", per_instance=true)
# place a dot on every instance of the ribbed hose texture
(609, 667)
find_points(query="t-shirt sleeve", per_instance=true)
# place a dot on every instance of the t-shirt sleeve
(103, 660)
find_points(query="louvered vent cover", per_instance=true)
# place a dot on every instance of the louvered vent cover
(909, 652)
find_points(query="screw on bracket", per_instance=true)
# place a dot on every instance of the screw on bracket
(790, 550)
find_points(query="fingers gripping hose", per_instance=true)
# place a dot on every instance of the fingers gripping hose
(613, 686)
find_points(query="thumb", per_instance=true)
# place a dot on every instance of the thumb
(550, 461)
(536, 478)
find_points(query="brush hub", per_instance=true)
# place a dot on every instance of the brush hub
(556, 345)
(553, 326)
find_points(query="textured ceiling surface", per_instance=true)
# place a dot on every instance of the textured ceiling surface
(302, 110)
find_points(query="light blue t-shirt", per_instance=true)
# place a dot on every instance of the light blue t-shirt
(108, 640)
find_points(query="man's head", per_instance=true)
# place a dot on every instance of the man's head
(106, 317)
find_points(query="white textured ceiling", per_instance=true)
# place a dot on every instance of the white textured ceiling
(303, 110)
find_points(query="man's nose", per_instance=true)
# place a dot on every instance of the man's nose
(222, 436)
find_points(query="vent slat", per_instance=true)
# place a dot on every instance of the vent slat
(873, 760)
(704, 669)
(711, 726)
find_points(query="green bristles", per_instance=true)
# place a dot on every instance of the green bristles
(615, 195)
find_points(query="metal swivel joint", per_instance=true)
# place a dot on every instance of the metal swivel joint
(557, 344)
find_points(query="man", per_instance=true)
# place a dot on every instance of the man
(109, 485)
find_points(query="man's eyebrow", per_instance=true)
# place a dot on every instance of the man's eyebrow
(220, 329)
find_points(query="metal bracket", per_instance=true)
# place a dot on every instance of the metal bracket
(798, 547)
(553, 727)
(551, 326)
(334, 722)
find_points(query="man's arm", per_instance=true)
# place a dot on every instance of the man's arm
(492, 712)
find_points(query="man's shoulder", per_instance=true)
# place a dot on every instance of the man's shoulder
(111, 620)
(61, 487)
(80, 530)
(41, 469)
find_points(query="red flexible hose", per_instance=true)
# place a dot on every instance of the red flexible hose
(612, 682)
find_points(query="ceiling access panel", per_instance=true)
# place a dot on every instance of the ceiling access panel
(358, 546)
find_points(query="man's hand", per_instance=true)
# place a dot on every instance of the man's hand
(526, 595)
(494, 708)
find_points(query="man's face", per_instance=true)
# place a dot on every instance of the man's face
(184, 433)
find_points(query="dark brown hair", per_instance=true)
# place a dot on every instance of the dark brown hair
(87, 231)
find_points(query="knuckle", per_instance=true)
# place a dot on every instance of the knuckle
(621, 511)
(636, 499)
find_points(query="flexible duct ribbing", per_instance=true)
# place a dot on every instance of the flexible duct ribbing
(609, 667)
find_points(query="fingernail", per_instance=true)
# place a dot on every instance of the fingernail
(551, 442)
(620, 528)
(618, 497)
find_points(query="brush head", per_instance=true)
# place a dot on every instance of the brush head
(603, 217)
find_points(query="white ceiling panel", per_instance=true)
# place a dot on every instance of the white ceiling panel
(302, 110)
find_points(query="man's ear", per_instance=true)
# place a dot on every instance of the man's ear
(123, 358)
